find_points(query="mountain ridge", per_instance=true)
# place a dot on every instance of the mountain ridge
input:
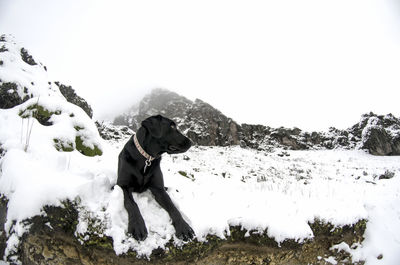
(207, 126)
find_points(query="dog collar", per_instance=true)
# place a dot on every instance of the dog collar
(148, 157)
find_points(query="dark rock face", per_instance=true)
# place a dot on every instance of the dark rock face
(378, 142)
(379, 134)
(26, 57)
(70, 95)
(207, 126)
(202, 123)
(3, 218)
(9, 96)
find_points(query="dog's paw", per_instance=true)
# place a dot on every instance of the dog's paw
(184, 231)
(137, 230)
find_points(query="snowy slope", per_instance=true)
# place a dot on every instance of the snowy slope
(53, 152)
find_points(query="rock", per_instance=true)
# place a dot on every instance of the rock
(288, 138)
(377, 141)
(26, 57)
(3, 218)
(207, 126)
(51, 240)
(9, 96)
(216, 129)
(395, 145)
(69, 93)
(201, 122)
(380, 135)
(109, 131)
(387, 175)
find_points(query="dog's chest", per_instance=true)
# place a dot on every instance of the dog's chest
(144, 180)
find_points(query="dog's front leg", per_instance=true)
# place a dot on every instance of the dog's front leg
(183, 230)
(136, 225)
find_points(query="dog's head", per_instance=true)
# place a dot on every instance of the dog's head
(166, 134)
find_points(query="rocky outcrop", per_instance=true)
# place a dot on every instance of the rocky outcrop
(9, 96)
(109, 131)
(52, 240)
(69, 93)
(16, 61)
(27, 58)
(204, 124)
(207, 126)
(379, 134)
(266, 138)
(10, 93)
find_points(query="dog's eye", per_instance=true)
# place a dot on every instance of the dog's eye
(173, 126)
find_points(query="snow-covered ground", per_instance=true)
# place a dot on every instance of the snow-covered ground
(213, 187)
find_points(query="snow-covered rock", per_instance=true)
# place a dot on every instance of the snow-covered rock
(207, 126)
(40, 132)
(379, 134)
(112, 132)
(22, 78)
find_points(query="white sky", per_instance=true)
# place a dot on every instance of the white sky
(310, 64)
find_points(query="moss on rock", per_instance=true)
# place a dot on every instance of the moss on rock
(43, 116)
(40, 113)
(87, 150)
(348, 233)
(66, 146)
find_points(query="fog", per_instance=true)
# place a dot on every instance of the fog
(310, 64)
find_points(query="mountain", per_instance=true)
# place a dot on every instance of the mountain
(207, 126)
(204, 124)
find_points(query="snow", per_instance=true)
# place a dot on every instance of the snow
(31, 78)
(224, 187)
(331, 260)
(214, 187)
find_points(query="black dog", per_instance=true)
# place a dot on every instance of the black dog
(139, 170)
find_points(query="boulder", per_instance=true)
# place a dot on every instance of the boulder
(380, 135)
(377, 141)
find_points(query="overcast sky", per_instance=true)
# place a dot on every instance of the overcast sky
(310, 64)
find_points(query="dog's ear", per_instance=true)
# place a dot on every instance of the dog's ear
(153, 125)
